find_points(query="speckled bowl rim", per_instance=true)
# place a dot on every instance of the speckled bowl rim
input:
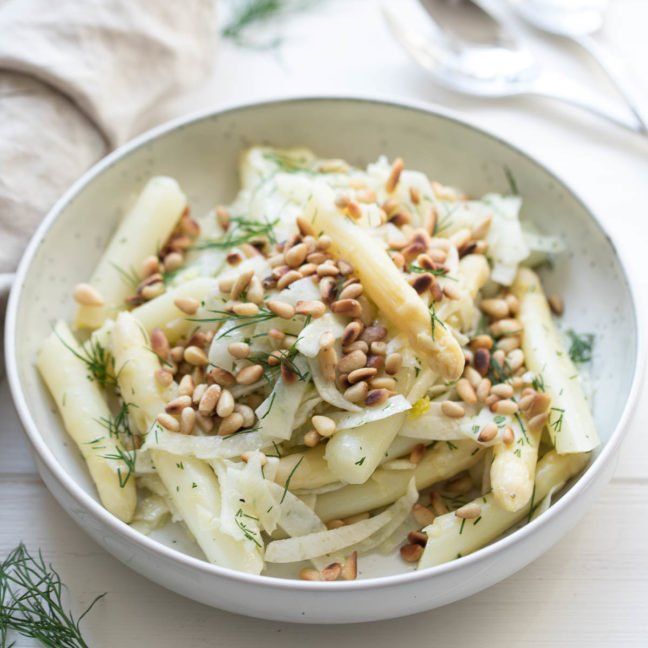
(91, 505)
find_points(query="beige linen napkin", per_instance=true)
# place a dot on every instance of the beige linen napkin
(78, 77)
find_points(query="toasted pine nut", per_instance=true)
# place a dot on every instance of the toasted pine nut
(281, 309)
(87, 295)
(239, 350)
(508, 326)
(513, 304)
(469, 511)
(178, 404)
(247, 455)
(164, 378)
(208, 402)
(357, 392)
(483, 389)
(312, 307)
(230, 424)
(177, 353)
(172, 262)
(422, 514)
(249, 375)
(312, 438)
(199, 392)
(508, 343)
(169, 422)
(150, 266)
(358, 345)
(295, 256)
(327, 340)
(472, 375)
(481, 361)
(556, 304)
(417, 453)
(393, 363)
(538, 421)
(352, 291)
(383, 382)
(540, 404)
(187, 305)
(459, 485)
(488, 433)
(354, 210)
(466, 391)
(310, 574)
(196, 356)
(187, 420)
(159, 343)
(515, 359)
(452, 409)
(307, 269)
(451, 291)
(153, 290)
(394, 175)
(503, 390)
(508, 436)
(328, 361)
(254, 292)
(226, 285)
(276, 334)
(331, 572)
(481, 342)
(205, 423)
(376, 397)
(438, 505)
(411, 552)
(351, 332)
(347, 307)
(350, 567)
(225, 404)
(220, 377)
(358, 517)
(247, 309)
(364, 373)
(186, 387)
(249, 417)
(497, 308)
(481, 227)
(352, 361)
(324, 425)
(241, 283)
(327, 269)
(491, 401)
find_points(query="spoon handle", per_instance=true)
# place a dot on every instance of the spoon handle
(559, 88)
(617, 73)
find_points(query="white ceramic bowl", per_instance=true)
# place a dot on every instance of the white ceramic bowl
(202, 153)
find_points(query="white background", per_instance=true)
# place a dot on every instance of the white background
(592, 587)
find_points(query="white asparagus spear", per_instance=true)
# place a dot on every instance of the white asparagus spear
(198, 506)
(83, 408)
(385, 284)
(451, 536)
(141, 233)
(571, 425)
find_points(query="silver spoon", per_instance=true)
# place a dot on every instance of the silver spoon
(476, 55)
(578, 21)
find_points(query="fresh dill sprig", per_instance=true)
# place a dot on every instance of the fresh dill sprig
(248, 533)
(292, 472)
(511, 180)
(557, 424)
(31, 603)
(288, 163)
(251, 13)
(581, 346)
(538, 383)
(241, 230)
(118, 427)
(437, 273)
(263, 315)
(129, 277)
(434, 320)
(97, 359)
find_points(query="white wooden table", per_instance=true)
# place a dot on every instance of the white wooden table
(592, 587)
